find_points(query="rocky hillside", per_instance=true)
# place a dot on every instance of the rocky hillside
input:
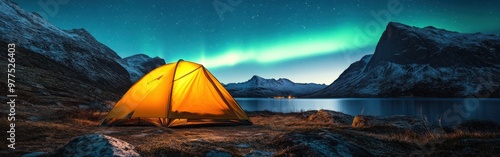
(261, 87)
(55, 65)
(423, 62)
(75, 49)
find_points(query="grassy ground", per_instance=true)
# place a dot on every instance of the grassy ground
(53, 126)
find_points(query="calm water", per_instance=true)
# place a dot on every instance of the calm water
(450, 111)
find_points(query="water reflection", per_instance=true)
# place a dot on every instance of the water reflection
(449, 111)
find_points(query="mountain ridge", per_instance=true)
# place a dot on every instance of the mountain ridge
(57, 65)
(257, 86)
(423, 62)
(74, 48)
(140, 64)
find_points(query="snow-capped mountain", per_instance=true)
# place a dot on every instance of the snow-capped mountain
(140, 64)
(260, 87)
(64, 66)
(423, 62)
(76, 49)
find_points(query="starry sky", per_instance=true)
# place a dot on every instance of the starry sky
(303, 40)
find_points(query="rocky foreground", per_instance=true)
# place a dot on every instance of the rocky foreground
(69, 131)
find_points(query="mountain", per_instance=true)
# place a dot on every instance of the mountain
(140, 64)
(54, 64)
(423, 62)
(260, 87)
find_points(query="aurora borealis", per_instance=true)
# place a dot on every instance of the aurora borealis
(303, 40)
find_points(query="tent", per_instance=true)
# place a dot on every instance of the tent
(181, 93)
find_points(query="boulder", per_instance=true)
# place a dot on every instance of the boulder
(34, 154)
(396, 124)
(81, 106)
(317, 143)
(97, 145)
(328, 116)
(217, 153)
(243, 145)
(258, 153)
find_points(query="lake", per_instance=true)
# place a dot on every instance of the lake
(449, 110)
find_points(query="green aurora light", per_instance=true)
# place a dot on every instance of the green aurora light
(334, 41)
(263, 37)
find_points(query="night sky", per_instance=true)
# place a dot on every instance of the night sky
(303, 40)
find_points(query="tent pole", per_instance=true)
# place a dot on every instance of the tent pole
(171, 88)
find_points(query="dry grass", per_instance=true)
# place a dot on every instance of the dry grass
(59, 126)
(426, 138)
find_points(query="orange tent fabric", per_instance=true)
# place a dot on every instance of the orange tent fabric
(181, 93)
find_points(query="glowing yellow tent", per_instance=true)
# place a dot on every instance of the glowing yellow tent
(181, 93)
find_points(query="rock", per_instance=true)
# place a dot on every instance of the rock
(258, 153)
(34, 154)
(396, 124)
(243, 145)
(34, 118)
(99, 106)
(314, 143)
(217, 153)
(328, 116)
(83, 106)
(97, 145)
(140, 64)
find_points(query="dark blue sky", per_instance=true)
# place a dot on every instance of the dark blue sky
(304, 40)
